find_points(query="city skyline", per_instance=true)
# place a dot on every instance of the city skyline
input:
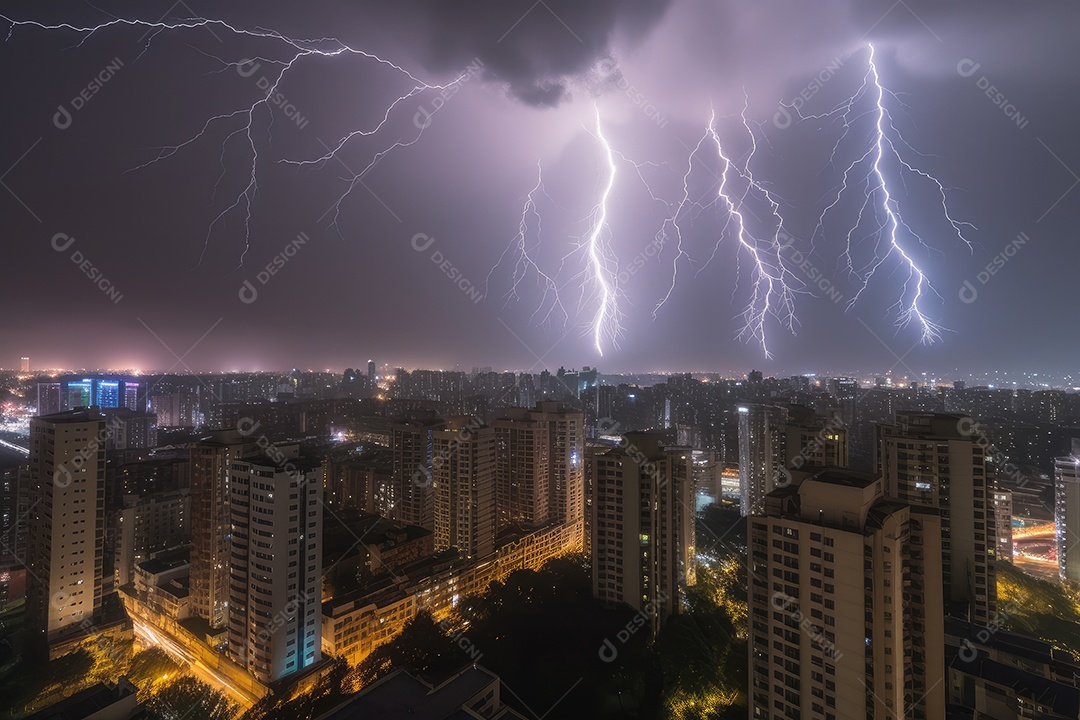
(152, 249)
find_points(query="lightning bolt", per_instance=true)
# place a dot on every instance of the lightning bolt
(245, 116)
(773, 286)
(603, 265)
(880, 207)
(524, 264)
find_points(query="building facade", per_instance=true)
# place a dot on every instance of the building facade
(762, 453)
(463, 475)
(845, 611)
(643, 526)
(275, 566)
(67, 520)
(211, 460)
(933, 460)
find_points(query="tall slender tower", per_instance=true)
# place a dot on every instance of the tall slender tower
(67, 520)
(275, 562)
(211, 461)
(1067, 513)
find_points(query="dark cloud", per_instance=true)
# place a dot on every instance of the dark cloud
(535, 49)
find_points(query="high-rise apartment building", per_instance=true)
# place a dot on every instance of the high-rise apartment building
(147, 524)
(275, 562)
(1067, 514)
(1003, 511)
(541, 466)
(813, 441)
(67, 520)
(413, 497)
(211, 461)
(934, 460)
(131, 396)
(463, 476)
(48, 398)
(762, 453)
(845, 609)
(643, 526)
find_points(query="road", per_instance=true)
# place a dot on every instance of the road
(151, 636)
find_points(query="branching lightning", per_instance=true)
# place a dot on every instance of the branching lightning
(300, 49)
(603, 265)
(524, 264)
(880, 207)
(773, 287)
(761, 238)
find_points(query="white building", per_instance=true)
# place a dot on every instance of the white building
(275, 567)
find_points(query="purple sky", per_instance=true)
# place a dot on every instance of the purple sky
(534, 82)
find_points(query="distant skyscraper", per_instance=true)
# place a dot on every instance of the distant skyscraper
(212, 459)
(25, 364)
(48, 398)
(107, 393)
(371, 373)
(762, 453)
(131, 396)
(463, 475)
(80, 394)
(845, 609)
(67, 504)
(926, 459)
(643, 526)
(1067, 513)
(275, 563)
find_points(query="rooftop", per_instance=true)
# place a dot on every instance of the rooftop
(400, 695)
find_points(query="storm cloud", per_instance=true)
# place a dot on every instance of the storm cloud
(537, 50)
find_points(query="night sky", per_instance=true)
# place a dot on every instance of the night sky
(533, 77)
